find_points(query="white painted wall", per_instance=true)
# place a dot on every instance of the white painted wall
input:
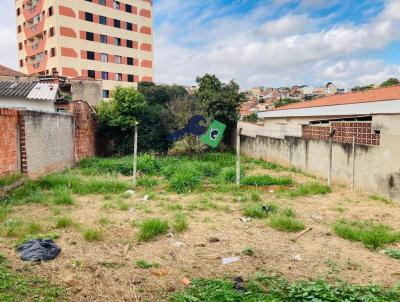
(23, 103)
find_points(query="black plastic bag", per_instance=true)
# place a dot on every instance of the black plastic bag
(38, 250)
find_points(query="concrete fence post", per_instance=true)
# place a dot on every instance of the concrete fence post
(353, 164)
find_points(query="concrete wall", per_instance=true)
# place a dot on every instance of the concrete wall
(377, 168)
(26, 104)
(88, 91)
(49, 142)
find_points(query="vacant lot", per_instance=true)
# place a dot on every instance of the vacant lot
(183, 219)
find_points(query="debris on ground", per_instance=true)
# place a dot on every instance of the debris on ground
(239, 283)
(170, 235)
(146, 197)
(230, 260)
(301, 234)
(38, 250)
(131, 210)
(316, 217)
(159, 272)
(213, 240)
(271, 191)
(178, 243)
(200, 245)
(268, 209)
(245, 219)
(130, 192)
(186, 281)
(296, 258)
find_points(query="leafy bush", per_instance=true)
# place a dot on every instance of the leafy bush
(148, 164)
(152, 228)
(185, 180)
(266, 180)
(370, 234)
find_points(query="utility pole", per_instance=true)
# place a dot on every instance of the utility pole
(135, 142)
(238, 131)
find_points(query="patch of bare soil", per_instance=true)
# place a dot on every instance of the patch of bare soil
(106, 270)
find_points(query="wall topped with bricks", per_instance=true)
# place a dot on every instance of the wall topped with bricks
(344, 133)
(37, 143)
(9, 138)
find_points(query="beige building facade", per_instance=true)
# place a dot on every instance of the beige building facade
(105, 40)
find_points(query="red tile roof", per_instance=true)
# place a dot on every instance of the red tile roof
(5, 71)
(372, 95)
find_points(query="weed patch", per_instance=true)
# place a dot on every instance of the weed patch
(393, 253)
(286, 223)
(64, 222)
(9, 180)
(185, 180)
(380, 198)
(148, 182)
(312, 188)
(145, 264)
(266, 180)
(370, 234)
(62, 196)
(151, 228)
(180, 223)
(92, 235)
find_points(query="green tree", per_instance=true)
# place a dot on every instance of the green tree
(220, 101)
(390, 82)
(117, 119)
(161, 94)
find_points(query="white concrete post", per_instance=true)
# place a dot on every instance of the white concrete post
(238, 130)
(330, 158)
(353, 164)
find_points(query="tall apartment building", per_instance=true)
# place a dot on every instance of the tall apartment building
(107, 40)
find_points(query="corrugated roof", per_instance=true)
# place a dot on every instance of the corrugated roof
(372, 95)
(43, 91)
(16, 89)
(5, 71)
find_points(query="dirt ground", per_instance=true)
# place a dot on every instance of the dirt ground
(106, 271)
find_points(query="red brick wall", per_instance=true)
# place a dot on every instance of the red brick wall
(8, 141)
(345, 131)
(85, 126)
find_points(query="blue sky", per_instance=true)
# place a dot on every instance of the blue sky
(266, 42)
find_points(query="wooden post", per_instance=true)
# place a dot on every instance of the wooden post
(238, 130)
(135, 142)
(353, 164)
(330, 158)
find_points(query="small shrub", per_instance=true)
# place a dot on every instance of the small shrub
(64, 222)
(180, 223)
(9, 180)
(13, 228)
(286, 224)
(255, 197)
(248, 251)
(184, 181)
(152, 228)
(62, 196)
(312, 188)
(147, 182)
(122, 206)
(288, 212)
(266, 180)
(104, 221)
(33, 228)
(381, 198)
(92, 235)
(370, 234)
(148, 164)
(229, 174)
(394, 253)
(4, 211)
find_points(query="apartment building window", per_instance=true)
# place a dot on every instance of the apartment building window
(89, 0)
(103, 20)
(104, 75)
(90, 55)
(51, 11)
(102, 2)
(18, 11)
(89, 36)
(106, 94)
(89, 17)
(129, 43)
(103, 39)
(129, 61)
(129, 26)
(52, 52)
(116, 5)
(128, 8)
(91, 74)
(19, 28)
(117, 41)
(118, 77)
(117, 23)
(20, 46)
(51, 32)
(131, 78)
(21, 63)
(118, 59)
(104, 57)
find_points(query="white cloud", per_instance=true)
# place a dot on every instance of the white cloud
(289, 51)
(8, 46)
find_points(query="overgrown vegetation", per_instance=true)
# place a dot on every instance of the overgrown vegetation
(91, 234)
(380, 198)
(9, 180)
(266, 180)
(286, 223)
(311, 188)
(277, 289)
(180, 222)
(393, 253)
(372, 235)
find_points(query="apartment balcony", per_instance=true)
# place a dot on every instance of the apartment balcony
(37, 65)
(36, 48)
(32, 11)
(33, 30)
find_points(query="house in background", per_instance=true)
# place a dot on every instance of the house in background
(31, 95)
